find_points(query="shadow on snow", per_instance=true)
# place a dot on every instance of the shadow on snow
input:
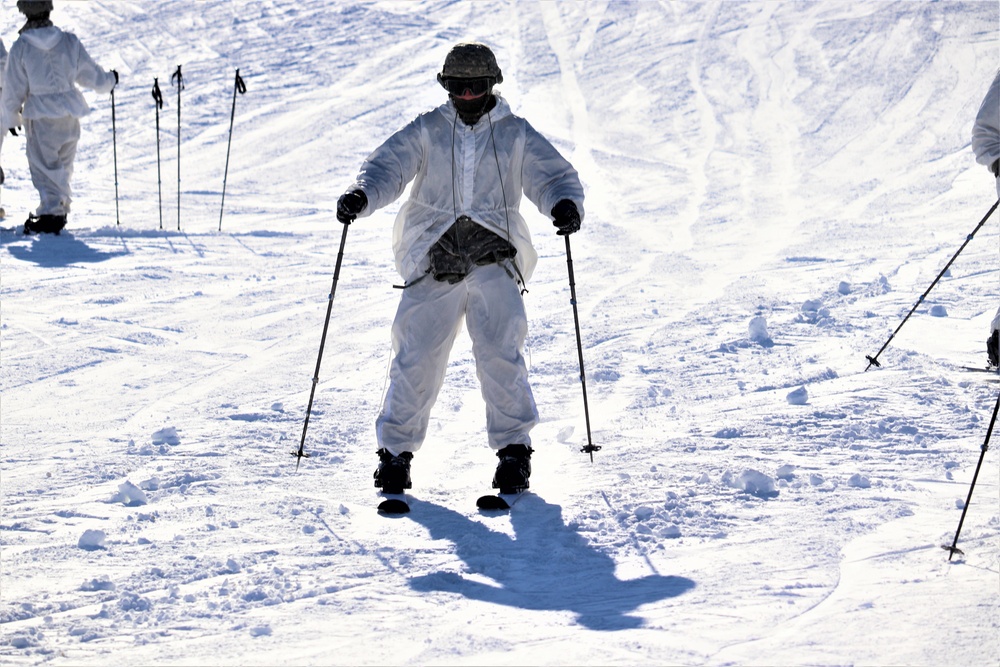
(62, 250)
(545, 566)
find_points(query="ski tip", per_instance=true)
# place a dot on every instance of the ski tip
(393, 506)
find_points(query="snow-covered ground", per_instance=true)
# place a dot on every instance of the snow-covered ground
(771, 186)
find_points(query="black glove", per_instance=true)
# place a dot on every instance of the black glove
(350, 204)
(13, 131)
(566, 217)
(1, 176)
(115, 72)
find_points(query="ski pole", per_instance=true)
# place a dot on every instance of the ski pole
(873, 360)
(158, 104)
(322, 343)
(179, 78)
(114, 142)
(953, 549)
(240, 88)
(591, 447)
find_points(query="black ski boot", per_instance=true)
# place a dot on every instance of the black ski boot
(514, 469)
(30, 225)
(393, 474)
(51, 224)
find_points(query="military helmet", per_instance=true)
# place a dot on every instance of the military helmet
(34, 8)
(470, 60)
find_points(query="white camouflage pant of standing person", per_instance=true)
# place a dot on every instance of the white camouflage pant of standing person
(51, 149)
(427, 321)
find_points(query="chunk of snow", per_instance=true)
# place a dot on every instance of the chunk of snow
(166, 436)
(798, 397)
(643, 513)
(844, 287)
(758, 332)
(939, 311)
(755, 483)
(92, 540)
(860, 481)
(786, 472)
(131, 495)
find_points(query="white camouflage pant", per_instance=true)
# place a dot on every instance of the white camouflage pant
(429, 317)
(51, 149)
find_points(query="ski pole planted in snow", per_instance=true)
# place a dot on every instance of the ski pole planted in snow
(158, 100)
(953, 549)
(178, 79)
(591, 447)
(873, 360)
(322, 343)
(240, 88)
(114, 143)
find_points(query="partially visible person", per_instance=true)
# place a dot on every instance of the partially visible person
(986, 144)
(40, 93)
(3, 66)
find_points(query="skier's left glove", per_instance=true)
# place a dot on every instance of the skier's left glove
(350, 204)
(1, 176)
(995, 168)
(115, 72)
(566, 217)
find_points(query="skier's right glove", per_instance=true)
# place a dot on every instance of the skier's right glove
(115, 72)
(1, 176)
(350, 204)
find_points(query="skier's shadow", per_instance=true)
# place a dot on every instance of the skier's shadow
(545, 566)
(61, 250)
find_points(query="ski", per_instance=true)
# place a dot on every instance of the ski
(393, 503)
(979, 369)
(498, 501)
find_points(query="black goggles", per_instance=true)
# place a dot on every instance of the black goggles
(460, 87)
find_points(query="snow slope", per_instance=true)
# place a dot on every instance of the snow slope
(771, 185)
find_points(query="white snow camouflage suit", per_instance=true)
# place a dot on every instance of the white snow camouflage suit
(44, 67)
(986, 144)
(480, 172)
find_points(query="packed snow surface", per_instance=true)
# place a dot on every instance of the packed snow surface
(770, 187)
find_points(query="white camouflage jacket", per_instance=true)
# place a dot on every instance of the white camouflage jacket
(479, 171)
(986, 130)
(44, 67)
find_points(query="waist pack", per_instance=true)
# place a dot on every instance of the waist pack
(465, 245)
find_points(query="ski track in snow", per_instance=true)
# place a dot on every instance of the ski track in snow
(805, 164)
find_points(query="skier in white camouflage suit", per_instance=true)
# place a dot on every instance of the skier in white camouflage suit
(464, 250)
(986, 144)
(3, 66)
(40, 93)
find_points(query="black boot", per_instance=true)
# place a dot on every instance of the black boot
(393, 474)
(31, 224)
(50, 224)
(514, 469)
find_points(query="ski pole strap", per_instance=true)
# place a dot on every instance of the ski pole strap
(178, 78)
(157, 95)
(241, 87)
